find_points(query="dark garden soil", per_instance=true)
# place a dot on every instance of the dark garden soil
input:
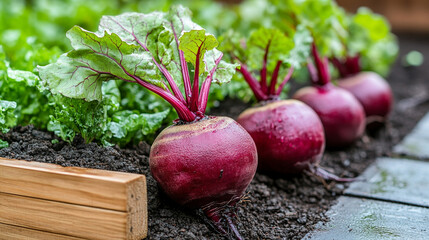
(276, 207)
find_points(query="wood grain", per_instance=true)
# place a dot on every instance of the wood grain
(79, 202)
(62, 218)
(11, 232)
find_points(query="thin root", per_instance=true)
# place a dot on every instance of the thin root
(323, 175)
(221, 220)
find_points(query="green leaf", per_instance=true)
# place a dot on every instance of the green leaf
(273, 40)
(25, 88)
(371, 38)
(280, 48)
(127, 126)
(179, 19)
(28, 78)
(3, 144)
(195, 44)
(375, 25)
(152, 32)
(7, 116)
(302, 49)
(326, 22)
(224, 72)
(73, 116)
(79, 73)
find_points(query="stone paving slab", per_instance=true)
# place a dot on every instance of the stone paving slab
(416, 144)
(396, 180)
(355, 218)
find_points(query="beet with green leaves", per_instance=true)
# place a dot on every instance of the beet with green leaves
(368, 42)
(342, 115)
(288, 134)
(201, 162)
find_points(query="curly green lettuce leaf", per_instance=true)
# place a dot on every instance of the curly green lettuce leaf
(8, 118)
(25, 88)
(127, 126)
(74, 116)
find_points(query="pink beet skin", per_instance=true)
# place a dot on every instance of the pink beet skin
(204, 164)
(342, 115)
(288, 134)
(372, 91)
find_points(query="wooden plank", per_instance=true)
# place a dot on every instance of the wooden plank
(73, 201)
(89, 187)
(65, 218)
(11, 232)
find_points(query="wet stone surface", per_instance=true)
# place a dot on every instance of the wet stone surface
(397, 180)
(354, 218)
(416, 144)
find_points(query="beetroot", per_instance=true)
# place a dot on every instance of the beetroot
(343, 117)
(367, 41)
(288, 134)
(372, 91)
(218, 159)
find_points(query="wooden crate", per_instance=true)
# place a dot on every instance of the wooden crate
(404, 15)
(47, 201)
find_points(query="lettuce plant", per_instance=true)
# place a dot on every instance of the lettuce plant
(7, 118)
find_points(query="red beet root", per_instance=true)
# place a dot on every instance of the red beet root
(372, 91)
(342, 115)
(205, 164)
(288, 134)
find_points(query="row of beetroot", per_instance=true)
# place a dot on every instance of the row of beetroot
(207, 162)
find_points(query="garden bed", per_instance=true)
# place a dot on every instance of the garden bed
(275, 206)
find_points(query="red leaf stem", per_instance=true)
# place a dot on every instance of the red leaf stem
(205, 87)
(285, 80)
(253, 83)
(274, 77)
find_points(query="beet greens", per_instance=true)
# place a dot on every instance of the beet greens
(368, 44)
(343, 117)
(152, 50)
(270, 53)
